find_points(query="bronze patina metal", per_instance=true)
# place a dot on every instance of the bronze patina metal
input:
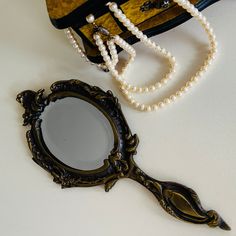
(176, 199)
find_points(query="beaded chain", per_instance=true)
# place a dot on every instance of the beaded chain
(111, 58)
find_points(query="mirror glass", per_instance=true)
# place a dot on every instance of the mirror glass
(77, 133)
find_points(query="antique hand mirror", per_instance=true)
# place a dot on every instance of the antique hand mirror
(79, 134)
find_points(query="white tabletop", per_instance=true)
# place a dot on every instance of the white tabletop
(191, 142)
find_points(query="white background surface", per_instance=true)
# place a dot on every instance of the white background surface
(191, 142)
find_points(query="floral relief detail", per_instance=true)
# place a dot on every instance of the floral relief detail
(33, 102)
(115, 166)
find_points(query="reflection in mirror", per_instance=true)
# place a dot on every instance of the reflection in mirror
(77, 133)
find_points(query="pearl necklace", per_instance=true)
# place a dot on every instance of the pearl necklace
(126, 88)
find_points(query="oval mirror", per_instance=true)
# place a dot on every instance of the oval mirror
(77, 133)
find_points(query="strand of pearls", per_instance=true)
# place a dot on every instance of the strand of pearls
(139, 89)
(75, 44)
(127, 89)
(149, 43)
(111, 61)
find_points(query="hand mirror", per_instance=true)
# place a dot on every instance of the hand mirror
(79, 135)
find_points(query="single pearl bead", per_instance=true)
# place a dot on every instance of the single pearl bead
(195, 12)
(142, 107)
(139, 35)
(152, 45)
(116, 38)
(194, 79)
(122, 17)
(114, 73)
(131, 27)
(173, 97)
(167, 101)
(69, 36)
(137, 104)
(140, 90)
(149, 108)
(199, 74)
(173, 59)
(134, 88)
(113, 6)
(163, 50)
(106, 57)
(184, 89)
(168, 54)
(129, 97)
(210, 31)
(120, 13)
(161, 104)
(124, 83)
(203, 69)
(99, 42)
(179, 93)
(127, 22)
(90, 18)
(152, 88)
(158, 48)
(164, 81)
(72, 41)
(125, 92)
(144, 38)
(181, 2)
(128, 86)
(155, 107)
(96, 37)
(189, 84)
(104, 52)
(158, 85)
(135, 31)
(102, 48)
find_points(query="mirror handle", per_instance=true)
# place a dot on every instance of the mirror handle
(178, 200)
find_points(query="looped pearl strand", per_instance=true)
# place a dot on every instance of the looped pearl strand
(127, 89)
(128, 48)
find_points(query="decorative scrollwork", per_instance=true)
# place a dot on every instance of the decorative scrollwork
(119, 164)
(178, 200)
(33, 102)
(115, 166)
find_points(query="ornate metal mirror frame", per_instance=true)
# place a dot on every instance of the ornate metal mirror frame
(176, 199)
